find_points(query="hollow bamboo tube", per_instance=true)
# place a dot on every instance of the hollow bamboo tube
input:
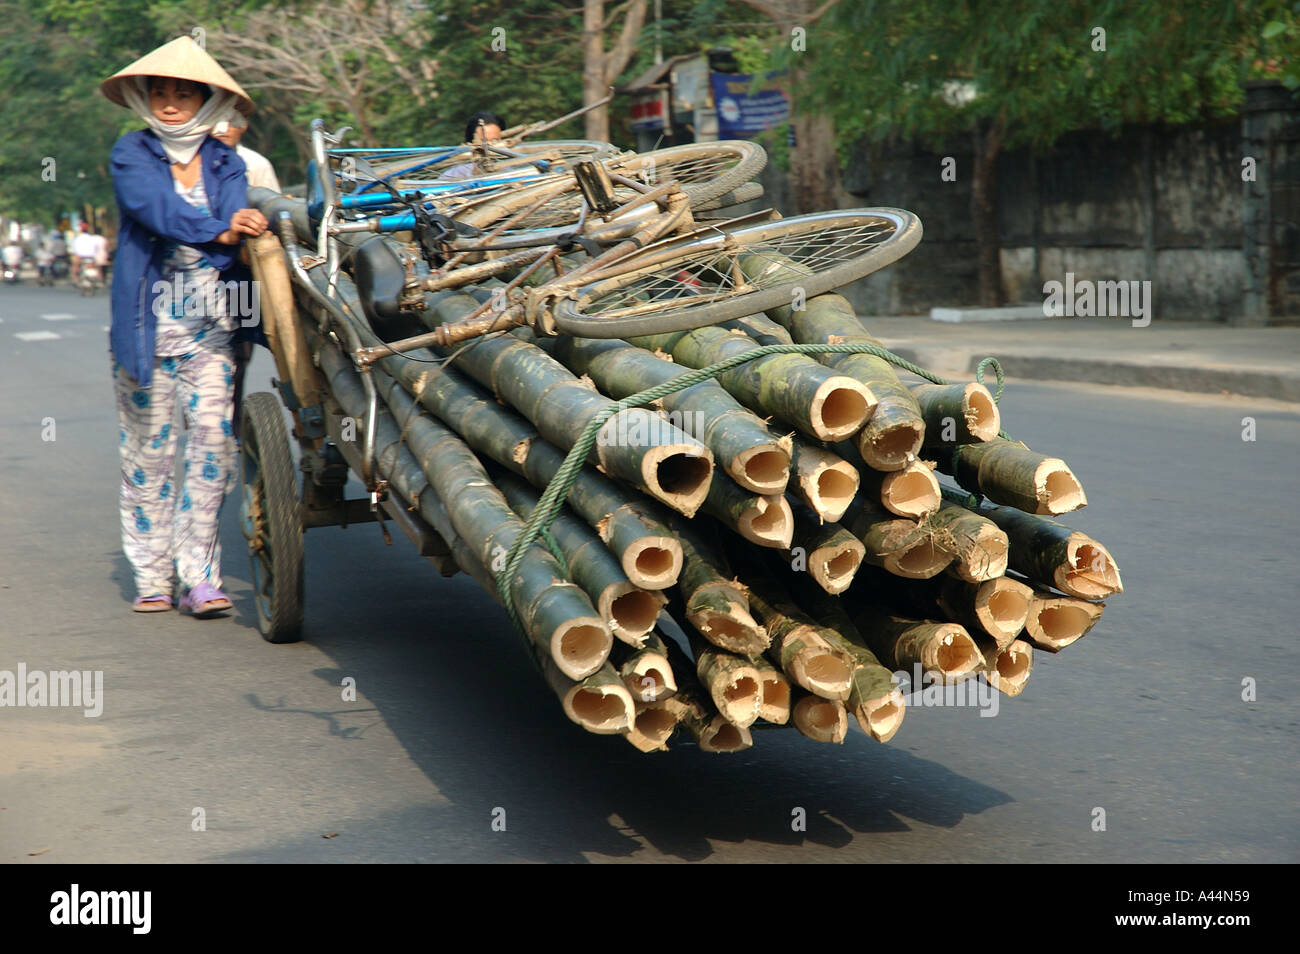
(978, 546)
(939, 647)
(629, 610)
(799, 645)
(1055, 621)
(556, 614)
(1008, 669)
(634, 445)
(874, 697)
(599, 703)
(653, 726)
(893, 435)
(1009, 473)
(829, 553)
(764, 521)
(741, 443)
(731, 681)
(957, 414)
(1054, 555)
(715, 604)
(793, 388)
(694, 710)
(819, 719)
(912, 492)
(900, 546)
(774, 692)
(823, 480)
(646, 671)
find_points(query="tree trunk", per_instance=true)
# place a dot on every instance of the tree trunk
(814, 167)
(593, 69)
(984, 215)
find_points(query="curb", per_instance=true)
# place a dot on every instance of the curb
(1193, 378)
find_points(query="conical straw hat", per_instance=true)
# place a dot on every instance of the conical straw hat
(182, 58)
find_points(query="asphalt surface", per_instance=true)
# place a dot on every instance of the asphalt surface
(1144, 718)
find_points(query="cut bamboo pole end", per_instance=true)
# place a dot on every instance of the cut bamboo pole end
(630, 611)
(767, 522)
(1008, 671)
(1055, 621)
(600, 703)
(945, 649)
(678, 476)
(652, 563)
(999, 607)
(839, 408)
(824, 481)
(813, 664)
(732, 683)
(652, 727)
(1009, 473)
(647, 672)
(978, 546)
(834, 564)
(1054, 555)
(912, 492)
(893, 437)
(879, 715)
(774, 692)
(720, 612)
(579, 646)
(719, 735)
(763, 469)
(957, 413)
(822, 720)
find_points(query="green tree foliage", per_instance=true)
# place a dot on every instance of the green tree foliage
(1022, 72)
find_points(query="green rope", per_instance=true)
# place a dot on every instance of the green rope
(553, 545)
(558, 489)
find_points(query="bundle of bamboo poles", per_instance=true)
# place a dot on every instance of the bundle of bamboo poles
(771, 547)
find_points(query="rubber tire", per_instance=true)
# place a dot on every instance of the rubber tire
(280, 617)
(752, 160)
(751, 163)
(571, 319)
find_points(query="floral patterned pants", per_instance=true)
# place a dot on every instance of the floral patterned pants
(168, 529)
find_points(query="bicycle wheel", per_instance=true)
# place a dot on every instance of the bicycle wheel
(692, 281)
(706, 171)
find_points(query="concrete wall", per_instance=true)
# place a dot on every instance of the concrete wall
(1157, 204)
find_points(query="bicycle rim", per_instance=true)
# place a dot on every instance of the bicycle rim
(677, 285)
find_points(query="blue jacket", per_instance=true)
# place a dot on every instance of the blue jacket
(150, 210)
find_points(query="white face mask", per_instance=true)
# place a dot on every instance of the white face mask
(183, 141)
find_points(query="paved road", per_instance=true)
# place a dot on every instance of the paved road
(1143, 718)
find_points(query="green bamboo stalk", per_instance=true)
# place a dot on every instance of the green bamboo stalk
(1009, 473)
(903, 547)
(762, 520)
(741, 443)
(793, 388)
(635, 445)
(645, 547)
(714, 602)
(894, 434)
(957, 414)
(1055, 621)
(1054, 555)
(945, 649)
(978, 546)
(773, 692)
(695, 711)
(800, 646)
(629, 611)
(559, 620)
(823, 480)
(829, 553)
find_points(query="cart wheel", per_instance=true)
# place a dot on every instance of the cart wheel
(271, 516)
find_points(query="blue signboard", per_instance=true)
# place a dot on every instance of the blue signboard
(742, 113)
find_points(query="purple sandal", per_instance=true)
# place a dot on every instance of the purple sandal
(205, 600)
(158, 603)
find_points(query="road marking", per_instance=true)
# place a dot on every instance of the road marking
(61, 316)
(37, 335)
